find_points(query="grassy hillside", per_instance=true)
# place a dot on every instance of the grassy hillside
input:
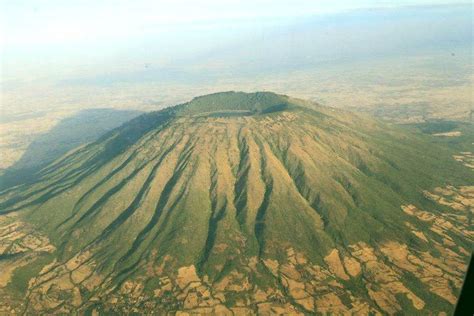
(245, 194)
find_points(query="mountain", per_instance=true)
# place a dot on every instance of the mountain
(241, 203)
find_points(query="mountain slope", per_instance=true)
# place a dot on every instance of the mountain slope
(255, 202)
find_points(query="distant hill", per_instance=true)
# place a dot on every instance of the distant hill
(245, 203)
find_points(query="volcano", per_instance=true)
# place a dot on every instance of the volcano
(241, 203)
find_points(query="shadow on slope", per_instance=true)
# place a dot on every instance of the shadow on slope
(84, 127)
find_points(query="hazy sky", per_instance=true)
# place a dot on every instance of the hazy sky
(40, 22)
(41, 34)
